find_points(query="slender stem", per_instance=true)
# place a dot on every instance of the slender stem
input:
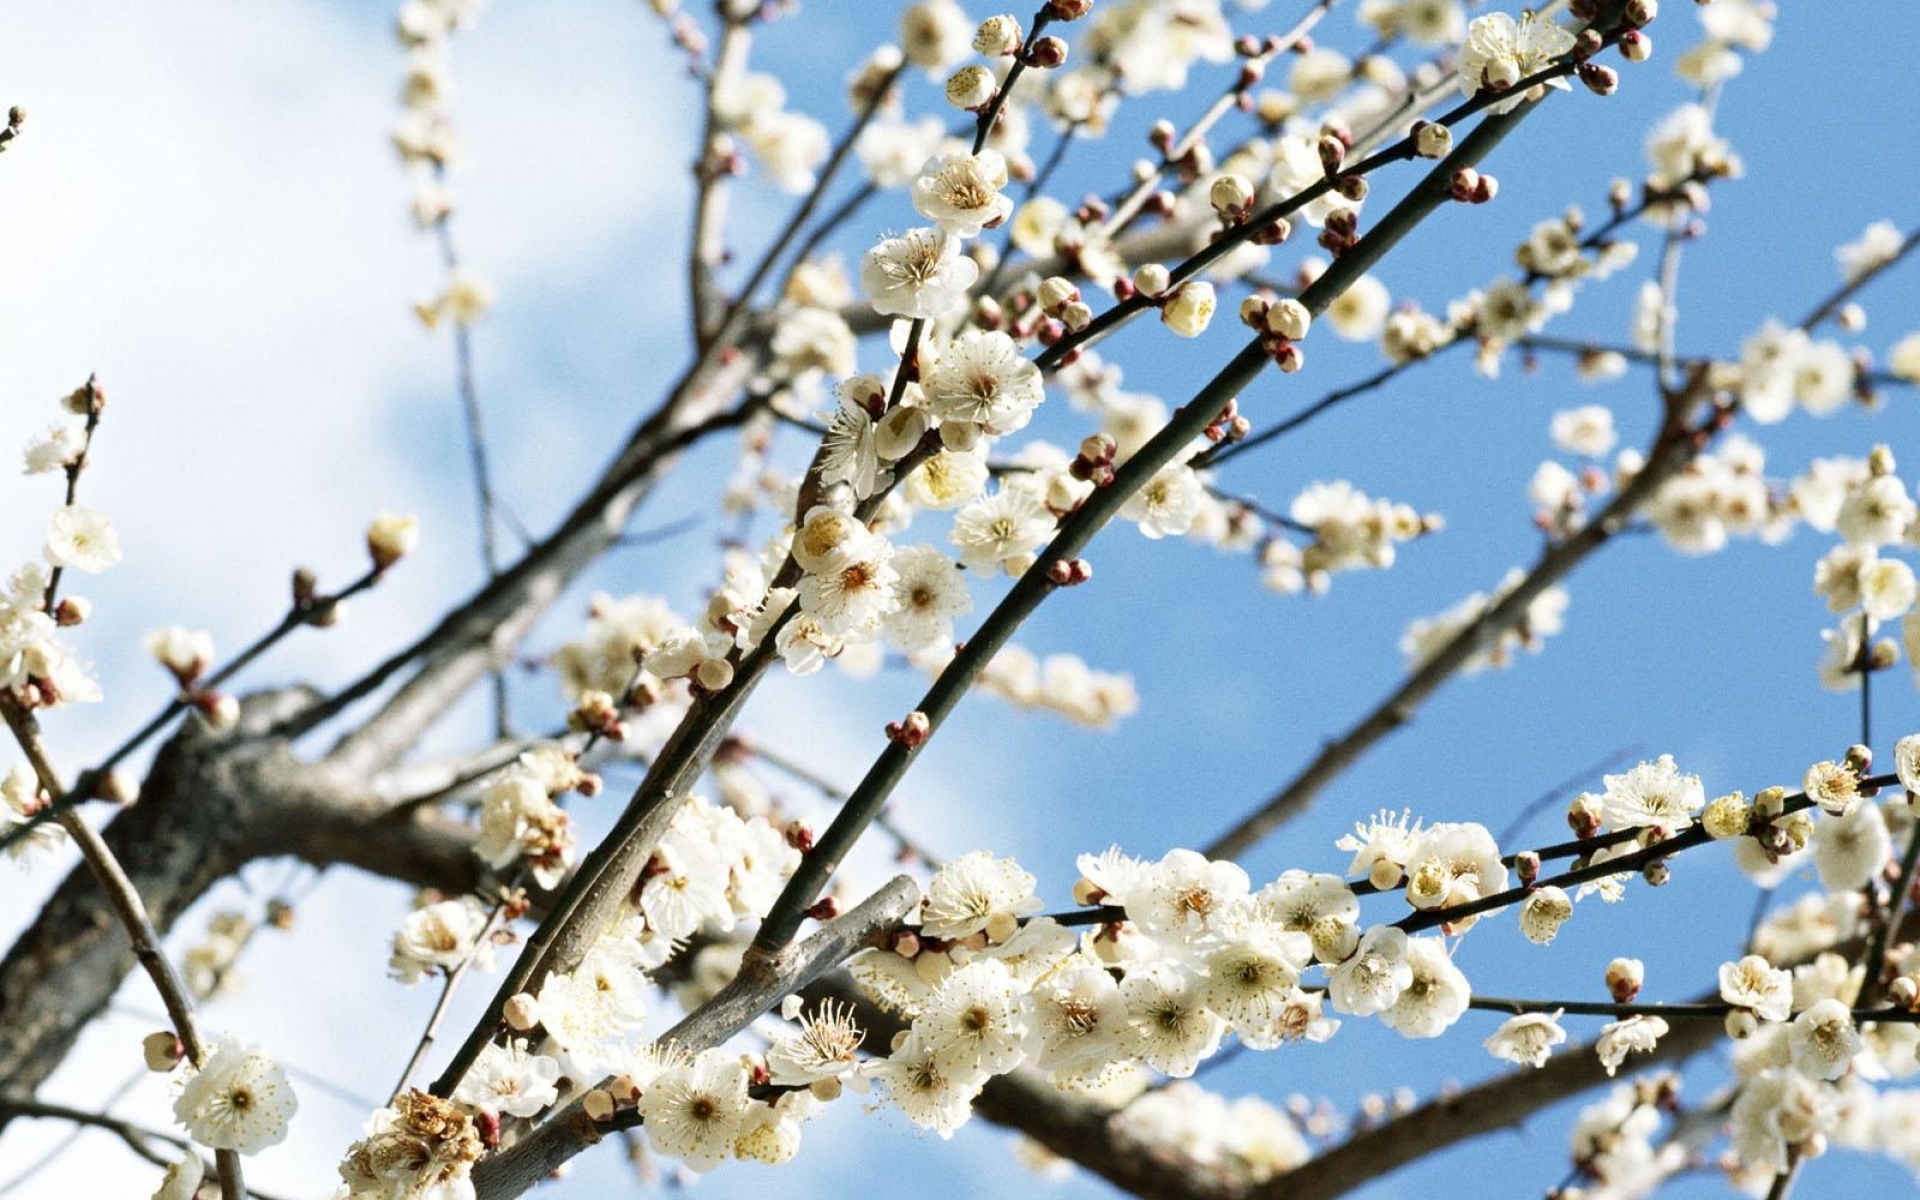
(1866, 680)
(710, 193)
(1687, 839)
(1832, 304)
(1885, 920)
(1783, 1182)
(1699, 1010)
(128, 907)
(452, 982)
(485, 504)
(92, 391)
(84, 787)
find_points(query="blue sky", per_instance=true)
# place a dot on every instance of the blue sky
(239, 274)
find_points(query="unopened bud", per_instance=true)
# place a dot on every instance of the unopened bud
(1624, 977)
(910, 732)
(72, 610)
(1904, 991)
(1047, 53)
(1635, 46)
(1230, 195)
(1526, 864)
(1768, 803)
(1351, 187)
(997, 35)
(714, 674)
(1884, 654)
(1600, 80)
(1055, 292)
(520, 1012)
(1274, 232)
(1742, 1024)
(598, 1105)
(1657, 872)
(1431, 140)
(1152, 279)
(390, 538)
(221, 710)
(163, 1050)
(1290, 319)
(1332, 153)
(1641, 12)
(970, 88)
(1465, 180)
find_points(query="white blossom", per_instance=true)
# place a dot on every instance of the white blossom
(694, 1112)
(1634, 1035)
(919, 274)
(1527, 1039)
(509, 1080)
(238, 1099)
(81, 538)
(1754, 983)
(1499, 52)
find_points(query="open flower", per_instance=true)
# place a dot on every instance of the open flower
(239, 1099)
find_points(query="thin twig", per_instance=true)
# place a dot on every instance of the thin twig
(84, 787)
(132, 912)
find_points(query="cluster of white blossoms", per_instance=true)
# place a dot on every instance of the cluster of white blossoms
(37, 668)
(427, 143)
(1200, 955)
(1863, 579)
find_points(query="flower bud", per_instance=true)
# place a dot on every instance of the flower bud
(1056, 291)
(1190, 309)
(71, 611)
(1152, 279)
(1742, 1024)
(970, 88)
(1635, 46)
(520, 1012)
(1904, 991)
(390, 538)
(1230, 195)
(1461, 188)
(1332, 153)
(598, 1105)
(1641, 12)
(1290, 319)
(1068, 10)
(997, 35)
(1431, 140)
(1047, 53)
(1624, 977)
(163, 1050)
(1767, 805)
(1600, 80)
(713, 674)
(1351, 187)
